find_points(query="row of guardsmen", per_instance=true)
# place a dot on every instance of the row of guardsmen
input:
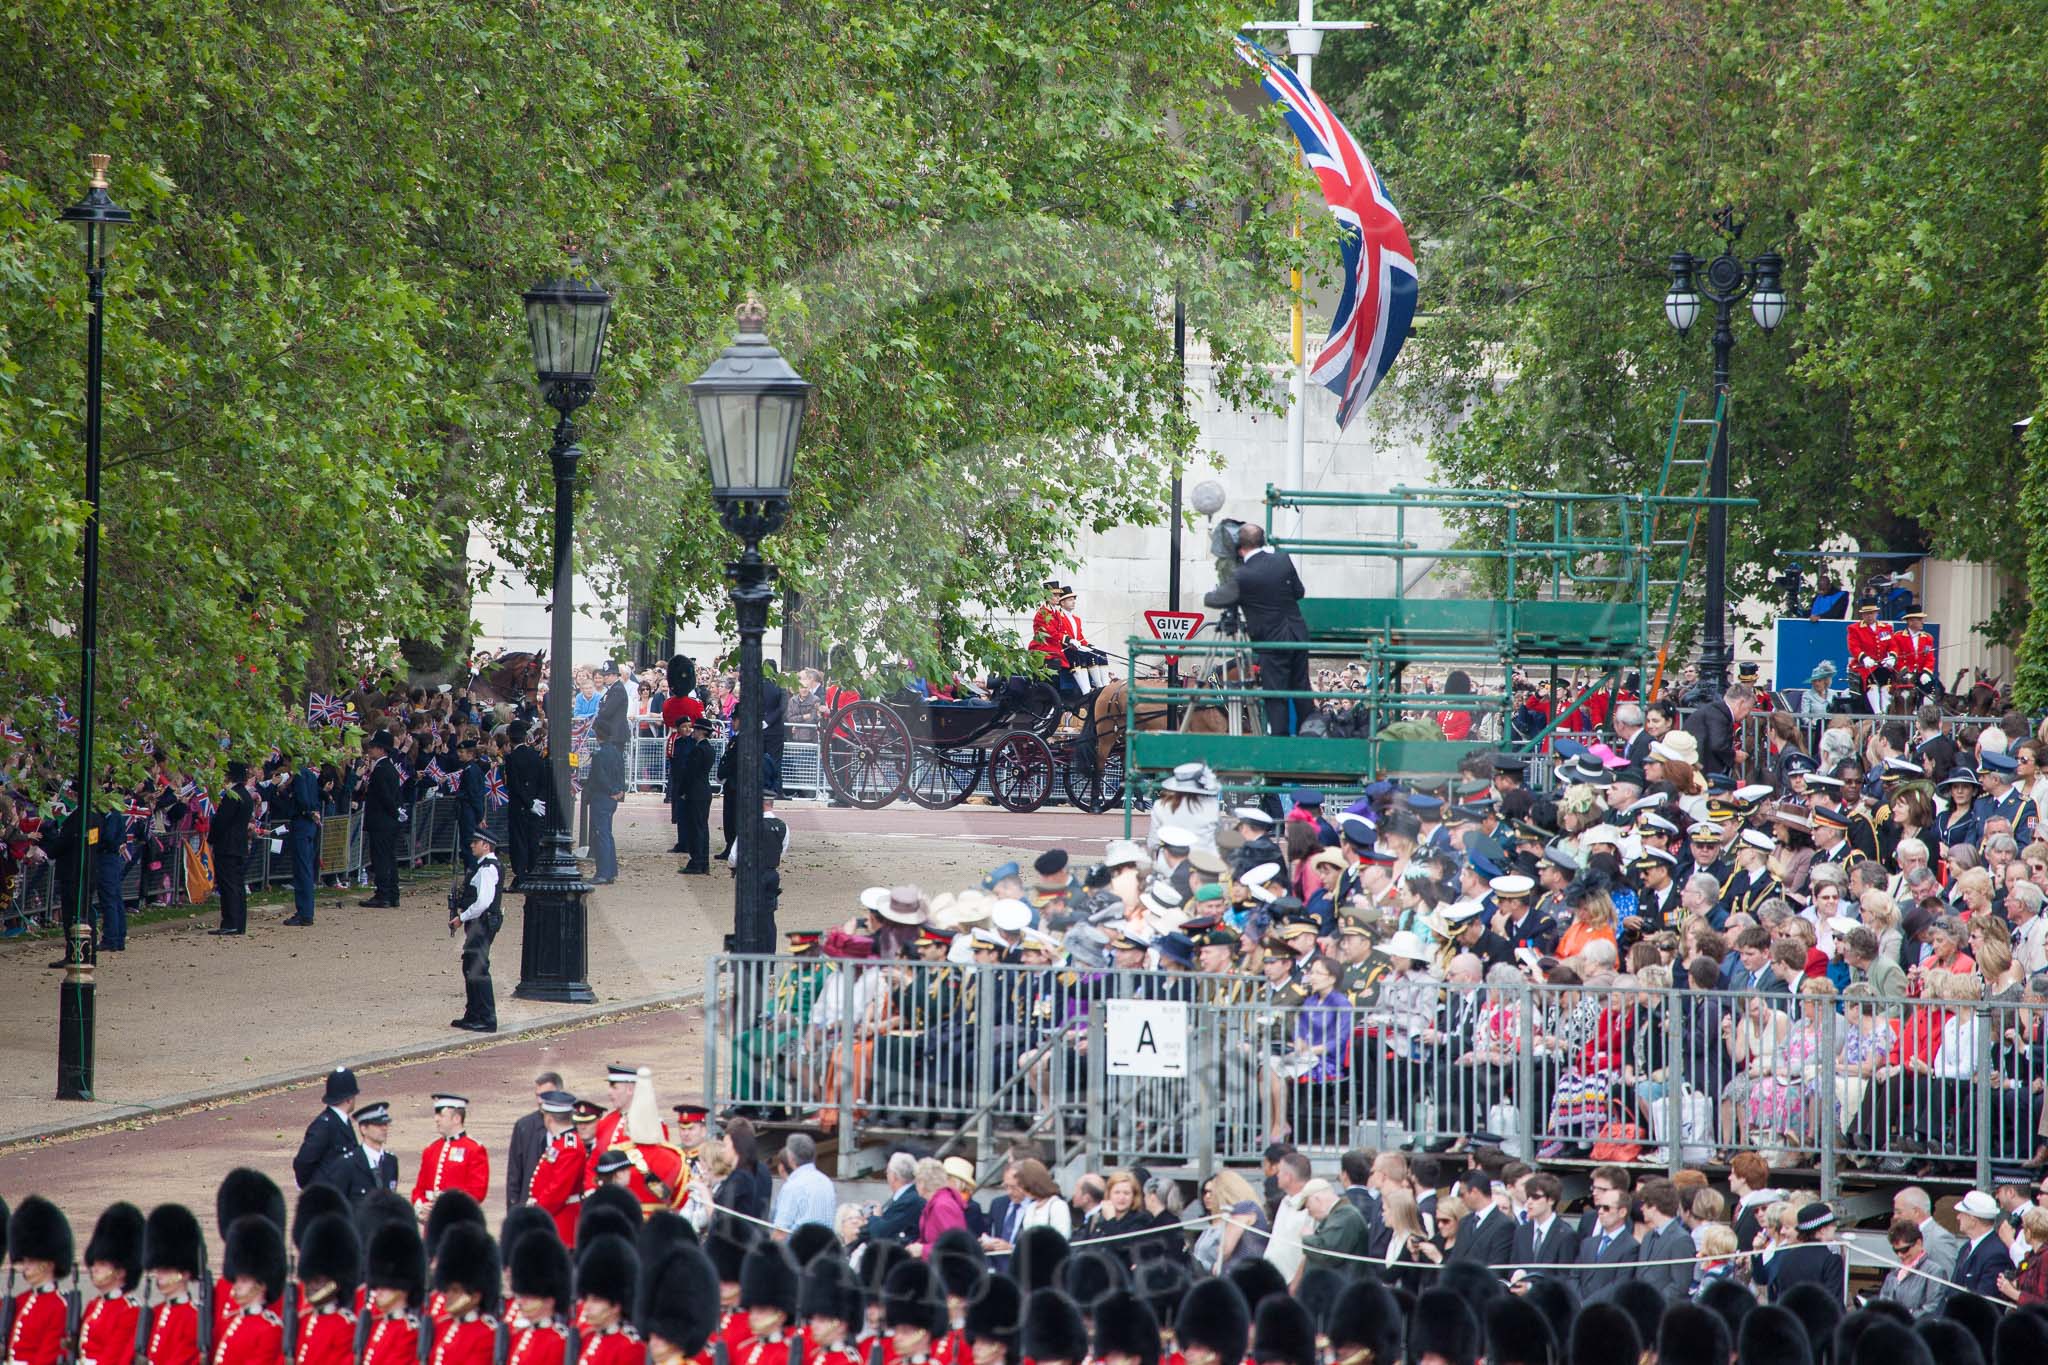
(644, 1291)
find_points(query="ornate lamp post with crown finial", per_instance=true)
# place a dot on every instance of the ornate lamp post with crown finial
(97, 218)
(750, 404)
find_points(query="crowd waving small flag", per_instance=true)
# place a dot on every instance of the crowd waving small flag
(322, 709)
(1378, 303)
(494, 787)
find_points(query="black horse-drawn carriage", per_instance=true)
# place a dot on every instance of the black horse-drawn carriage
(936, 752)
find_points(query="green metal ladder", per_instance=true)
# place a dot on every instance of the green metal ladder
(1694, 516)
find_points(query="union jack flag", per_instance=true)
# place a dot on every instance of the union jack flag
(1378, 304)
(188, 790)
(138, 817)
(441, 776)
(494, 787)
(322, 709)
(10, 732)
(67, 724)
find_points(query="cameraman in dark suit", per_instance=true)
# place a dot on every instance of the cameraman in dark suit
(1267, 589)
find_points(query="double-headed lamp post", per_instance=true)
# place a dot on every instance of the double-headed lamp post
(1728, 280)
(566, 321)
(97, 217)
(750, 404)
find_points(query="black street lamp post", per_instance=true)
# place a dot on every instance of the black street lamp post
(565, 322)
(750, 404)
(1728, 281)
(97, 217)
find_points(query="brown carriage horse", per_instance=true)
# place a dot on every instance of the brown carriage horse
(1108, 714)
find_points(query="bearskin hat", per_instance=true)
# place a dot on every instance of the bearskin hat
(540, 1268)
(1213, 1314)
(727, 1246)
(1692, 1335)
(995, 1312)
(1318, 1291)
(1282, 1333)
(911, 1297)
(172, 1240)
(1731, 1301)
(812, 1240)
(606, 1268)
(1852, 1327)
(1163, 1284)
(2022, 1338)
(521, 1221)
(614, 1197)
(1979, 1316)
(397, 1259)
(117, 1239)
(1124, 1325)
(244, 1191)
(1052, 1330)
(1644, 1306)
(1365, 1315)
(664, 1231)
(469, 1258)
(679, 1300)
(957, 1258)
(875, 1265)
(831, 1290)
(1819, 1312)
(768, 1279)
(389, 1206)
(1772, 1336)
(40, 1232)
(682, 674)
(1888, 1343)
(1473, 1283)
(604, 1221)
(1558, 1302)
(255, 1249)
(1257, 1279)
(451, 1208)
(330, 1250)
(317, 1200)
(1517, 1333)
(1897, 1312)
(1088, 1275)
(1949, 1342)
(1036, 1263)
(1604, 1334)
(1444, 1326)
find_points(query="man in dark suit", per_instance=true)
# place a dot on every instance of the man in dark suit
(369, 1167)
(1608, 1254)
(332, 1133)
(228, 836)
(1983, 1257)
(1358, 1190)
(774, 728)
(1668, 1241)
(610, 724)
(1717, 725)
(897, 1220)
(380, 822)
(1545, 1238)
(690, 776)
(1486, 1236)
(527, 784)
(1268, 591)
(529, 1143)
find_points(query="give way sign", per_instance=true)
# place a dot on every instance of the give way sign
(1173, 626)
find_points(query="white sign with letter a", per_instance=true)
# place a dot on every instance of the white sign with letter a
(1145, 1037)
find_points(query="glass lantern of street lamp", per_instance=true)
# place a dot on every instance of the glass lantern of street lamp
(1767, 301)
(750, 404)
(97, 215)
(1681, 302)
(566, 322)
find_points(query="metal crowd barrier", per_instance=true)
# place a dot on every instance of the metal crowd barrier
(1644, 1075)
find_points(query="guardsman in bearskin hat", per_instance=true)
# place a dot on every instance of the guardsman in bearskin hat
(173, 1252)
(395, 1267)
(1692, 1334)
(727, 1245)
(1365, 1325)
(39, 1248)
(914, 1309)
(113, 1259)
(1214, 1326)
(452, 1210)
(1442, 1330)
(676, 1307)
(1518, 1334)
(768, 1297)
(1052, 1332)
(956, 1258)
(454, 1160)
(466, 1272)
(243, 1192)
(254, 1272)
(606, 1272)
(1126, 1333)
(993, 1316)
(330, 1269)
(1602, 1334)
(541, 1289)
(1283, 1334)
(830, 1301)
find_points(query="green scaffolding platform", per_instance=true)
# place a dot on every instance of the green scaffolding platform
(1588, 584)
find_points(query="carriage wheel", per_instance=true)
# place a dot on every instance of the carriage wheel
(941, 779)
(1020, 771)
(868, 754)
(1093, 787)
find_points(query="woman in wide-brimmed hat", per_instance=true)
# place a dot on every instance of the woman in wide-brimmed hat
(1819, 690)
(1189, 798)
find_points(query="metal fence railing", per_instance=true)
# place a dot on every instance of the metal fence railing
(1942, 1087)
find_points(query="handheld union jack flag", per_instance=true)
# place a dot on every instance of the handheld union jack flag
(1378, 304)
(440, 776)
(67, 724)
(494, 787)
(10, 732)
(138, 817)
(322, 709)
(202, 805)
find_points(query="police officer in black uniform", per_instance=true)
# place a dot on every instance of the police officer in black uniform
(471, 799)
(526, 782)
(690, 797)
(380, 823)
(476, 910)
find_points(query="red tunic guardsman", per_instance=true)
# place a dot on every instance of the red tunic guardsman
(619, 1089)
(172, 1250)
(677, 1306)
(395, 1269)
(113, 1260)
(558, 1180)
(1871, 657)
(914, 1309)
(39, 1241)
(830, 1303)
(466, 1272)
(606, 1273)
(989, 1331)
(452, 1161)
(539, 1271)
(330, 1267)
(254, 1268)
(768, 1301)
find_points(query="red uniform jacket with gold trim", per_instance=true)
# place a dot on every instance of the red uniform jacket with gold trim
(558, 1183)
(619, 1345)
(457, 1163)
(41, 1326)
(174, 1333)
(540, 1343)
(394, 1340)
(106, 1330)
(327, 1336)
(471, 1339)
(251, 1338)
